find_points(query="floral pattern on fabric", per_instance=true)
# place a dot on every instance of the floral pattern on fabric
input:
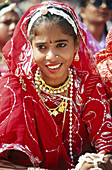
(104, 62)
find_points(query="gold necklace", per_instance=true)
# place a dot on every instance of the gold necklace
(38, 88)
(55, 111)
(40, 84)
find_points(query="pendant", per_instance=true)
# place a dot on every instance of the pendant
(54, 113)
(63, 106)
(61, 109)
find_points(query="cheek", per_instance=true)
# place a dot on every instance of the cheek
(71, 52)
(37, 57)
(91, 12)
(109, 14)
(3, 30)
(69, 58)
(4, 35)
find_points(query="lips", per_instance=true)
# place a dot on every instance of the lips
(104, 14)
(53, 67)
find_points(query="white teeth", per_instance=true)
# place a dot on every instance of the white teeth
(54, 67)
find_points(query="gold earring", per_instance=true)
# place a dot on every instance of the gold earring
(76, 57)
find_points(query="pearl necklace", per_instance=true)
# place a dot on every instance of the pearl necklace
(70, 118)
(40, 85)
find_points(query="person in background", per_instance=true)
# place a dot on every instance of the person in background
(94, 14)
(71, 3)
(53, 106)
(9, 16)
(26, 4)
(104, 62)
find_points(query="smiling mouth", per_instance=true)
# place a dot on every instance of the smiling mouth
(54, 67)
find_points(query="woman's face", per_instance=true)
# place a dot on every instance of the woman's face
(92, 14)
(49, 43)
(8, 22)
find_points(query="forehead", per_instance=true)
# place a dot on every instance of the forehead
(49, 32)
(61, 25)
(46, 28)
(11, 15)
(47, 23)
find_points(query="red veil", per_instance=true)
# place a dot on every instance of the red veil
(25, 124)
(18, 51)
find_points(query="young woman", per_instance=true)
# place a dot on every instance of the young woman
(53, 105)
(95, 14)
(9, 16)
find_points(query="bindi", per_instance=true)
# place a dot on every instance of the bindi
(50, 42)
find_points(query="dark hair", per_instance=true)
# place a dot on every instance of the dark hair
(53, 19)
(4, 6)
(83, 3)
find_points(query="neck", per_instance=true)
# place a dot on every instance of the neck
(55, 81)
(96, 30)
(40, 84)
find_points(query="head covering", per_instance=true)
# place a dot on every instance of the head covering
(26, 124)
(19, 55)
(7, 7)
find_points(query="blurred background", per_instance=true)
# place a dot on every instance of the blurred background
(25, 4)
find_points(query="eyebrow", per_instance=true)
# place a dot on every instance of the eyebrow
(40, 43)
(63, 40)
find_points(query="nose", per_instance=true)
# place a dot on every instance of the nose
(104, 5)
(12, 26)
(51, 55)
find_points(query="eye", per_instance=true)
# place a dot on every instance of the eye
(61, 45)
(41, 47)
(7, 22)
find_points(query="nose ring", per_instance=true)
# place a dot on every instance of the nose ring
(57, 56)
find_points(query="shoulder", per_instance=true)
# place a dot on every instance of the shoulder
(10, 90)
(8, 78)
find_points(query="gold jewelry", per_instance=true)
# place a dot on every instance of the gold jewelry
(40, 84)
(76, 58)
(55, 111)
(21, 80)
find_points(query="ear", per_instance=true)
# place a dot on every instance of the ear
(77, 43)
(82, 12)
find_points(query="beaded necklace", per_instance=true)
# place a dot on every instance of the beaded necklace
(40, 85)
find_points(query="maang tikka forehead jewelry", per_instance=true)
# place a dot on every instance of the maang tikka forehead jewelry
(57, 56)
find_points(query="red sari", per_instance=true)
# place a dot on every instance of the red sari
(27, 126)
(29, 135)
